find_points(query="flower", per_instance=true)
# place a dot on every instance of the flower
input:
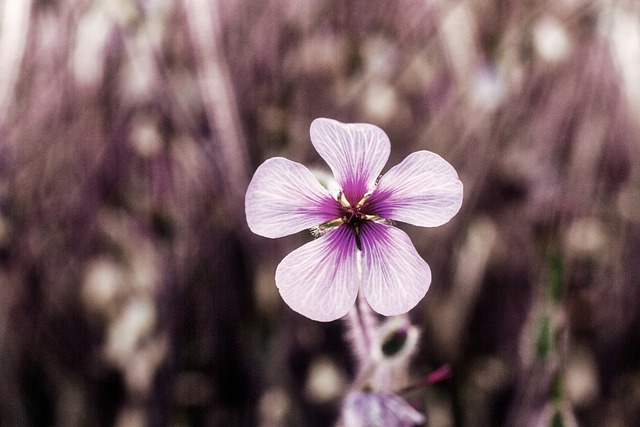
(358, 248)
(378, 409)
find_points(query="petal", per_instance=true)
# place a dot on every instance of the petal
(394, 277)
(355, 152)
(423, 190)
(384, 409)
(320, 279)
(284, 197)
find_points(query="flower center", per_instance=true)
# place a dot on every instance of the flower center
(352, 216)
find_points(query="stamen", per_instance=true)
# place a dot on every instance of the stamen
(364, 199)
(343, 200)
(331, 224)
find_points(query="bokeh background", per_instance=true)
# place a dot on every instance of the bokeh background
(132, 292)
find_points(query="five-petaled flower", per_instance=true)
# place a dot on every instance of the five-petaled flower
(359, 249)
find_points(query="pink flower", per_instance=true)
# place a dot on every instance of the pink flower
(358, 249)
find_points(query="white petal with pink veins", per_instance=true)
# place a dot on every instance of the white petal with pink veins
(355, 152)
(320, 279)
(394, 277)
(423, 190)
(284, 197)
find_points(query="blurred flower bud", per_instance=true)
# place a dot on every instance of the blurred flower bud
(396, 341)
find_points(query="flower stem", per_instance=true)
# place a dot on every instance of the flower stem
(361, 325)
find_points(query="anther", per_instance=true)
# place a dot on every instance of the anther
(364, 199)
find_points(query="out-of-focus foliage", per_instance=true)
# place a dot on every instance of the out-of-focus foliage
(132, 292)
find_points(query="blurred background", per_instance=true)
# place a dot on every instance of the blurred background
(132, 292)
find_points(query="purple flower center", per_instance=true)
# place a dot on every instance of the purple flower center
(353, 215)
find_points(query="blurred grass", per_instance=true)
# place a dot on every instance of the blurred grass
(132, 292)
